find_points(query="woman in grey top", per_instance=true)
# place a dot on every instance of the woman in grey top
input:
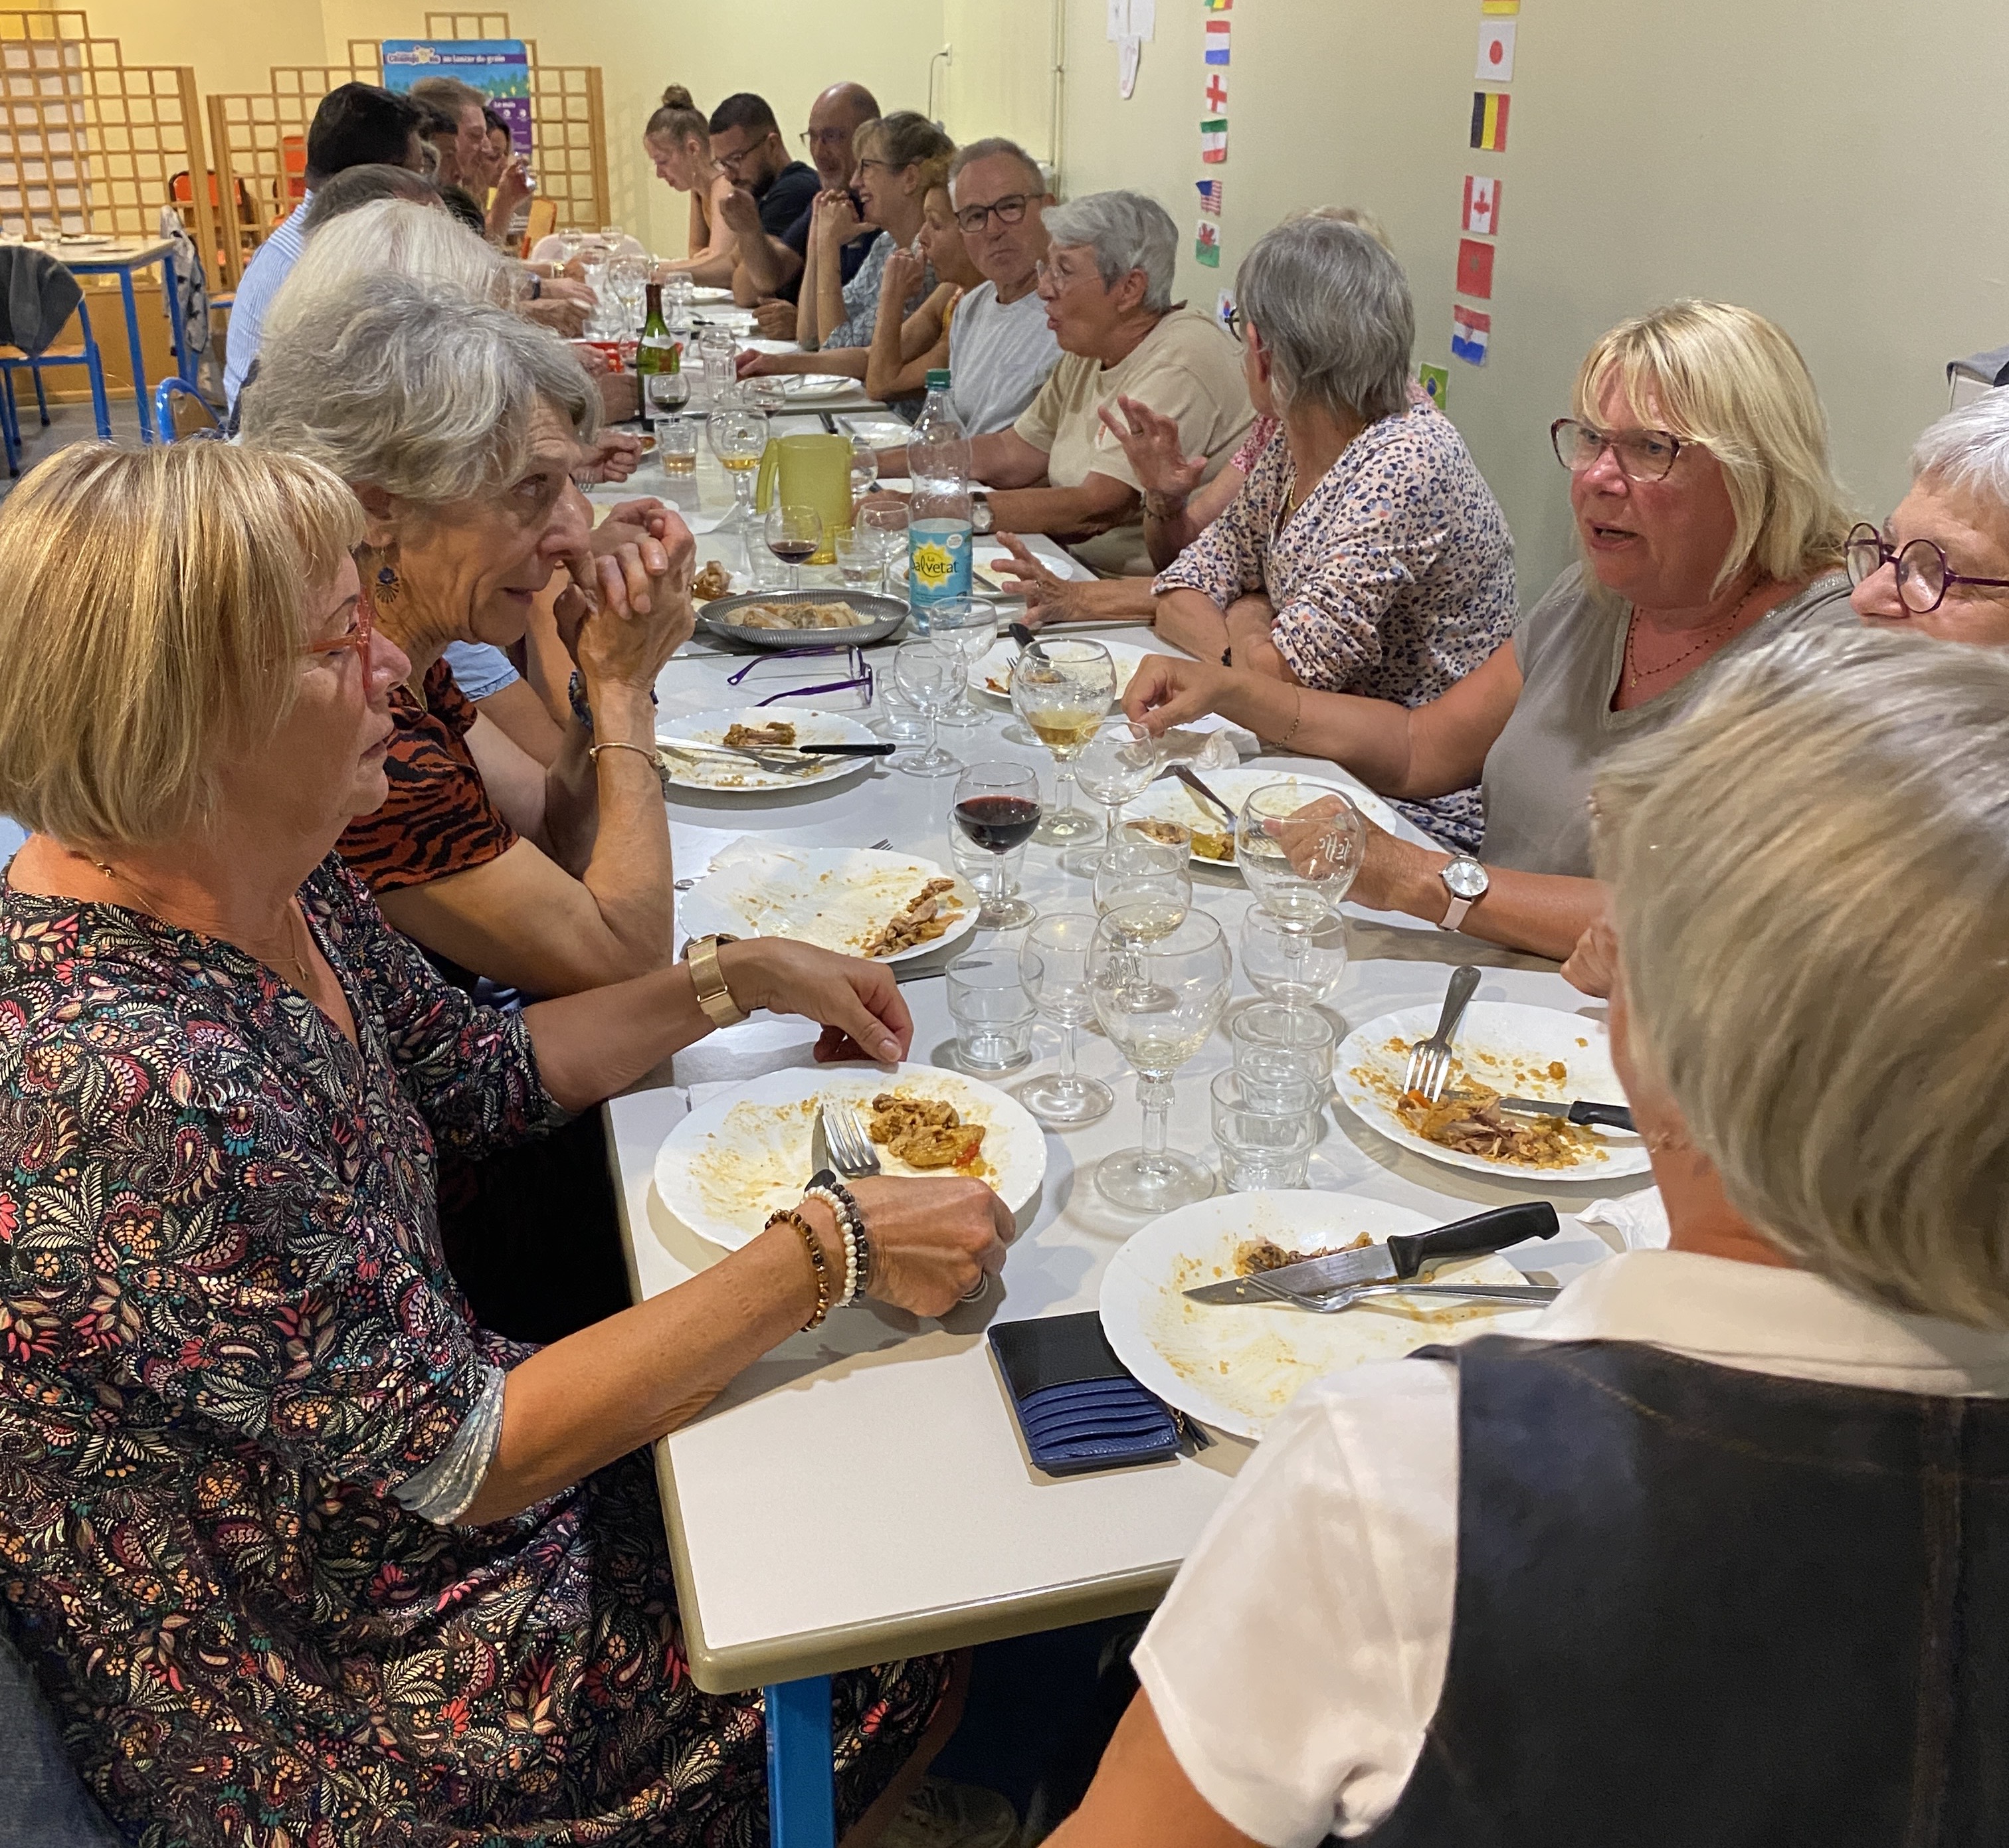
(1709, 521)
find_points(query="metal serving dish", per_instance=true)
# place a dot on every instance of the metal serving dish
(886, 613)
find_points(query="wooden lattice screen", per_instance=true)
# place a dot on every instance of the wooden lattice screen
(260, 137)
(89, 143)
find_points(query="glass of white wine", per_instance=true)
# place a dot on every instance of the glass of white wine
(1159, 998)
(739, 439)
(1061, 689)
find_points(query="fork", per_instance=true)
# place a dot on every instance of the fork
(1429, 1060)
(851, 1151)
(1489, 1292)
(1192, 782)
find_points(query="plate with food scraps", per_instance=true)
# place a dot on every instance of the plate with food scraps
(993, 674)
(753, 728)
(733, 1161)
(1235, 1366)
(1504, 1048)
(1168, 799)
(860, 901)
(804, 618)
(817, 384)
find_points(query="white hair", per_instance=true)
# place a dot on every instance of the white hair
(1810, 877)
(422, 390)
(1127, 232)
(389, 237)
(1333, 308)
(1968, 449)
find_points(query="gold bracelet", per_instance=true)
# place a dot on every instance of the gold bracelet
(614, 744)
(788, 1215)
(1298, 720)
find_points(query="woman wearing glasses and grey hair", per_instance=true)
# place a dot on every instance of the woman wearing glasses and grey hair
(1708, 519)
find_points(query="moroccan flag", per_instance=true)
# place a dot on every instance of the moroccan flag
(1469, 332)
(1489, 121)
(1213, 139)
(1482, 204)
(1216, 42)
(1475, 268)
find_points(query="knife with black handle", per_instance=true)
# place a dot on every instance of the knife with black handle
(1601, 1116)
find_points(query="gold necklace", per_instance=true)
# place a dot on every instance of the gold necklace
(1633, 676)
(294, 925)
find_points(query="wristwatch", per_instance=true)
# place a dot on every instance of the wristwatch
(982, 520)
(1466, 881)
(709, 980)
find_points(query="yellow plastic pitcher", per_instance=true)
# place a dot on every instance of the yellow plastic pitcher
(815, 471)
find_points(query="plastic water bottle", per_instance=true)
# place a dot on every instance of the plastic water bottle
(939, 546)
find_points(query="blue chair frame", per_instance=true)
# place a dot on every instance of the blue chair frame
(163, 409)
(89, 358)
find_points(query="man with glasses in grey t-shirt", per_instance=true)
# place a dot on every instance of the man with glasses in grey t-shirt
(1000, 347)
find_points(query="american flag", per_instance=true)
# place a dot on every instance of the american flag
(1209, 191)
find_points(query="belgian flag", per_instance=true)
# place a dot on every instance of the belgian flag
(1489, 121)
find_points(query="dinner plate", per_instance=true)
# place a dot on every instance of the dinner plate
(836, 896)
(818, 384)
(1517, 1050)
(708, 297)
(884, 615)
(1168, 799)
(1236, 1366)
(993, 674)
(733, 1161)
(745, 776)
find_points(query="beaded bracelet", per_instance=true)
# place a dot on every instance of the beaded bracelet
(847, 1226)
(788, 1216)
(858, 1227)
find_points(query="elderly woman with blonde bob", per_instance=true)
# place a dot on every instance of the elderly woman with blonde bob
(302, 1550)
(1708, 521)
(1711, 1550)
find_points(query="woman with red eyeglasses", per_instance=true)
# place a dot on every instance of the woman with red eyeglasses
(300, 1549)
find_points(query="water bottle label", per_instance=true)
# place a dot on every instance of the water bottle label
(938, 565)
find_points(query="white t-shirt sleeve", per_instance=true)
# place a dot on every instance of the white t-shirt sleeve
(1300, 1656)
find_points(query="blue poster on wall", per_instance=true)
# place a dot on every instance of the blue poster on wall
(499, 68)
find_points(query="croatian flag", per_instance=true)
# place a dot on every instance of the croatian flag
(1213, 140)
(1216, 40)
(1209, 191)
(1469, 332)
(1482, 205)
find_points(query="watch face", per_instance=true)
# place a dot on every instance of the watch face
(1465, 877)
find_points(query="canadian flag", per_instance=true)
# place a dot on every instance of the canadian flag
(1482, 205)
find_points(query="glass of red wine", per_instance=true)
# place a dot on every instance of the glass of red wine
(998, 806)
(793, 535)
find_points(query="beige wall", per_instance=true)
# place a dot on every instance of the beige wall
(1837, 167)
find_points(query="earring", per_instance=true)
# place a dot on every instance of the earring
(387, 585)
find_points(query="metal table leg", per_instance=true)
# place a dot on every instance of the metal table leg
(170, 288)
(139, 358)
(802, 1797)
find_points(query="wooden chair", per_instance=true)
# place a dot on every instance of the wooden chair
(543, 220)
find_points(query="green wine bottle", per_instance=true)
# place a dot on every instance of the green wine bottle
(659, 352)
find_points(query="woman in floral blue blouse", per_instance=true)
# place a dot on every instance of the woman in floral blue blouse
(302, 1553)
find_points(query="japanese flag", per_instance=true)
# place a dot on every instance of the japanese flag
(1496, 52)
(1482, 205)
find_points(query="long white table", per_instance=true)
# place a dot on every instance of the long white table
(888, 1438)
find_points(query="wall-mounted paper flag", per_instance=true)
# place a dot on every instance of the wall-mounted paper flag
(1469, 332)
(1435, 382)
(1209, 191)
(1218, 40)
(1489, 121)
(1224, 308)
(1229, 5)
(1496, 52)
(1207, 244)
(1508, 7)
(1475, 268)
(1214, 101)
(1213, 140)
(1482, 204)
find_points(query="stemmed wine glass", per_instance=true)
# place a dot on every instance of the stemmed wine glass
(998, 806)
(967, 628)
(1300, 859)
(1115, 767)
(864, 469)
(738, 438)
(887, 525)
(1061, 689)
(1158, 997)
(793, 535)
(1054, 965)
(1297, 964)
(1151, 879)
(926, 674)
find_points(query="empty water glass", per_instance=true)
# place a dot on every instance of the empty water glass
(1054, 963)
(967, 628)
(1298, 964)
(993, 1014)
(857, 559)
(928, 674)
(1283, 1054)
(1261, 1148)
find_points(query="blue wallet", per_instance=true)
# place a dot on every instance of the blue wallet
(1078, 1407)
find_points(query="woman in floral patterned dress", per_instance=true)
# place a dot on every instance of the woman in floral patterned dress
(301, 1552)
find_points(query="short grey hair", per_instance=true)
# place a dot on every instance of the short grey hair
(1127, 232)
(1968, 449)
(421, 389)
(389, 237)
(1333, 309)
(997, 147)
(1823, 845)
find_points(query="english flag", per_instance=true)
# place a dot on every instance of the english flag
(1209, 191)
(1216, 40)
(1482, 205)
(1213, 140)
(1469, 332)
(1475, 268)
(1215, 100)
(1496, 52)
